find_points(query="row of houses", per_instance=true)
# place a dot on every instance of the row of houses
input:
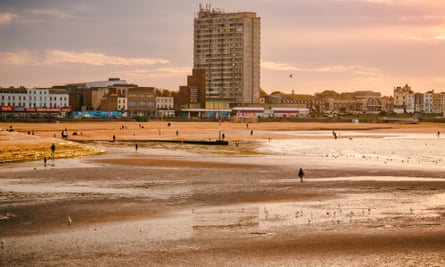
(408, 101)
(114, 97)
(329, 102)
(117, 98)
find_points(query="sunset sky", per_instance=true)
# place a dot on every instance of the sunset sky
(342, 45)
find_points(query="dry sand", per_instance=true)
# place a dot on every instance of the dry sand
(186, 205)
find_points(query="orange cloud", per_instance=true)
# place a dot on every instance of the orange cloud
(6, 18)
(358, 70)
(59, 56)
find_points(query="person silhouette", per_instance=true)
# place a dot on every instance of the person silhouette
(301, 174)
(53, 150)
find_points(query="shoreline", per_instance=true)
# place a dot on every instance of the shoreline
(21, 145)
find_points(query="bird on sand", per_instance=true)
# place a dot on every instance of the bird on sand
(69, 221)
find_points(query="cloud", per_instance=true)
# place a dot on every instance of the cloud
(155, 73)
(51, 12)
(59, 56)
(357, 70)
(6, 18)
(411, 37)
(165, 77)
(52, 57)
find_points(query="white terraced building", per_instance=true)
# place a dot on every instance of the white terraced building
(34, 98)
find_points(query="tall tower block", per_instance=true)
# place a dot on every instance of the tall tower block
(227, 46)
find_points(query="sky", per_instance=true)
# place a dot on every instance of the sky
(306, 46)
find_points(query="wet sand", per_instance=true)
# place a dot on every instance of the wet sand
(170, 205)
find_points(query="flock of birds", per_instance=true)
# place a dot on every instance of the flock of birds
(386, 160)
(335, 215)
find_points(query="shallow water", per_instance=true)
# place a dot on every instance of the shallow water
(421, 150)
(351, 211)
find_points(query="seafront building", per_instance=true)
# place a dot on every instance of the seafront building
(132, 101)
(406, 101)
(165, 107)
(141, 102)
(227, 47)
(33, 102)
(402, 102)
(25, 98)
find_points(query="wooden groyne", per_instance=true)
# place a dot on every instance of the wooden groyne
(195, 142)
(180, 141)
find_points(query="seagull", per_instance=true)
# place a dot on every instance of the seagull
(69, 221)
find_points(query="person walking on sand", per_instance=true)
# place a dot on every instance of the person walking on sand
(136, 147)
(53, 150)
(301, 174)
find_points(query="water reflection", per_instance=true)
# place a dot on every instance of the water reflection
(386, 149)
(355, 211)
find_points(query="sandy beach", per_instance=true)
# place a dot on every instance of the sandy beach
(373, 197)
